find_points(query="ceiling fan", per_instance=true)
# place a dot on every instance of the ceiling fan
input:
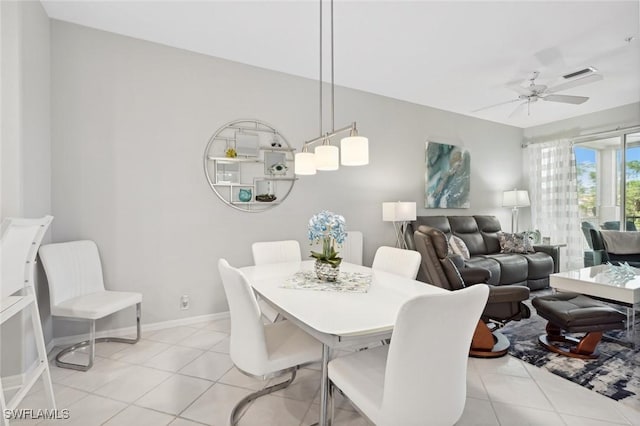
(534, 92)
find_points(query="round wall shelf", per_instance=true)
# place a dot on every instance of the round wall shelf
(249, 165)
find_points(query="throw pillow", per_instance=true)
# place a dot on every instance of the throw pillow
(515, 243)
(458, 247)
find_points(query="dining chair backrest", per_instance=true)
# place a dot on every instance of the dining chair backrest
(73, 269)
(267, 252)
(352, 248)
(426, 371)
(397, 261)
(248, 348)
(18, 250)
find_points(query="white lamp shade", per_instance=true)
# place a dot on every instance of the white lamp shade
(399, 211)
(327, 157)
(305, 163)
(355, 151)
(515, 198)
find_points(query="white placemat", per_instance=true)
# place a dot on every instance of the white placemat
(347, 282)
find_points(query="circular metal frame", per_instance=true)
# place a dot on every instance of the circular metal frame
(249, 125)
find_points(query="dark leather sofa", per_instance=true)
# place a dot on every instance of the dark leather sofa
(480, 235)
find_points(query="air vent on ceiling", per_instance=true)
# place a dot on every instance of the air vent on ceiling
(580, 73)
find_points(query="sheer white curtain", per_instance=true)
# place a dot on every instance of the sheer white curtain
(554, 198)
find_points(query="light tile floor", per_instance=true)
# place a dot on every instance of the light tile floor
(183, 376)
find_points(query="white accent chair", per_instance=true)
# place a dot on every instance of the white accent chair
(260, 350)
(421, 377)
(268, 252)
(397, 261)
(76, 291)
(18, 250)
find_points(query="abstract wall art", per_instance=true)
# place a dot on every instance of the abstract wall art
(447, 176)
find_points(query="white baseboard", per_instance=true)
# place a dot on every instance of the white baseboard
(69, 340)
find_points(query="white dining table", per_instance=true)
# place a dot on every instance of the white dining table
(337, 319)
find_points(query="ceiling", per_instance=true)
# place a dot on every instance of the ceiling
(453, 55)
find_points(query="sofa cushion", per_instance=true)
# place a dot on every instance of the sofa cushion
(540, 265)
(489, 227)
(513, 267)
(466, 228)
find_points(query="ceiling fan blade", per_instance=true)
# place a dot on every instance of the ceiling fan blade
(518, 109)
(591, 78)
(495, 105)
(567, 99)
(516, 87)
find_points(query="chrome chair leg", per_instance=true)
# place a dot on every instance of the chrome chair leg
(92, 343)
(233, 418)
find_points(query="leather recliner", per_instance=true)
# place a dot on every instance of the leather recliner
(447, 271)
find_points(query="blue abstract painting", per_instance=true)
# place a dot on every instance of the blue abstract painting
(447, 177)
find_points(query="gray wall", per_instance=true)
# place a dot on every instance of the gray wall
(131, 119)
(25, 148)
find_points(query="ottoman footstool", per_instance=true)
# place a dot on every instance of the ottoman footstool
(575, 313)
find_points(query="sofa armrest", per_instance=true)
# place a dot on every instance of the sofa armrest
(551, 250)
(472, 276)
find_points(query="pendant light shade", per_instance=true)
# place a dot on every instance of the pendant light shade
(327, 157)
(305, 163)
(355, 151)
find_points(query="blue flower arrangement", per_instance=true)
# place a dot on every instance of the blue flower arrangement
(329, 228)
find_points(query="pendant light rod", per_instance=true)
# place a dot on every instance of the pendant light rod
(328, 135)
(333, 127)
(320, 79)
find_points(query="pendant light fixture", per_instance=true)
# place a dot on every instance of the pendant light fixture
(355, 149)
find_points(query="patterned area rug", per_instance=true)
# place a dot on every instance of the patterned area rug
(616, 373)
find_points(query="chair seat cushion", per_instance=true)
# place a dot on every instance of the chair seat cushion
(360, 376)
(96, 305)
(288, 345)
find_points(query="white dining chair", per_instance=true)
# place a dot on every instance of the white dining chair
(269, 252)
(421, 377)
(397, 261)
(77, 292)
(19, 242)
(259, 350)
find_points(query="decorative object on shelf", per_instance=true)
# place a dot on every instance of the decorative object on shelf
(266, 198)
(399, 213)
(275, 142)
(515, 199)
(278, 169)
(244, 195)
(447, 177)
(355, 149)
(328, 228)
(263, 163)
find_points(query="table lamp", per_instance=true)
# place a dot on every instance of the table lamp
(399, 213)
(515, 199)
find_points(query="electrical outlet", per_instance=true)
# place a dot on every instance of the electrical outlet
(184, 302)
